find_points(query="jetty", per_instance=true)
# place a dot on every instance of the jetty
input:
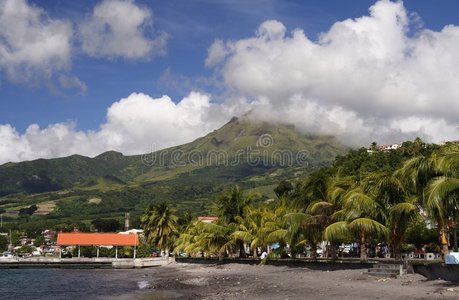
(83, 263)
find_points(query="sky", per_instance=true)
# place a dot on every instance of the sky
(85, 77)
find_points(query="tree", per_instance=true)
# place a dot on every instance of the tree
(39, 240)
(358, 217)
(288, 228)
(418, 233)
(323, 210)
(160, 225)
(399, 208)
(216, 238)
(3, 243)
(434, 178)
(252, 227)
(106, 225)
(28, 211)
(232, 205)
(206, 238)
(283, 188)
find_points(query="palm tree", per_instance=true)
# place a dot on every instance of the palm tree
(216, 238)
(323, 210)
(358, 217)
(400, 209)
(312, 188)
(434, 178)
(252, 227)
(189, 241)
(206, 238)
(160, 224)
(232, 205)
(288, 229)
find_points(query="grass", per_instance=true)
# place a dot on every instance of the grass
(112, 184)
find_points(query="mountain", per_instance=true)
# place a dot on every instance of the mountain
(252, 154)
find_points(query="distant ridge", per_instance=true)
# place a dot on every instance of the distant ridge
(231, 140)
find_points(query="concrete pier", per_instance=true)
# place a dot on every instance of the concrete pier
(83, 263)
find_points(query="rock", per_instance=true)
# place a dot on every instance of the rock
(404, 283)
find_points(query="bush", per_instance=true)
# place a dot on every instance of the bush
(408, 248)
(432, 248)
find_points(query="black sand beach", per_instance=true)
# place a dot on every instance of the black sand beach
(238, 281)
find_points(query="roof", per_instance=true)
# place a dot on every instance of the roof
(97, 239)
(207, 219)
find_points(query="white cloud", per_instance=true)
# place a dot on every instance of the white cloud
(363, 79)
(138, 122)
(72, 82)
(135, 125)
(216, 53)
(32, 45)
(120, 28)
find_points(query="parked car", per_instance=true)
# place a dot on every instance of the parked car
(7, 255)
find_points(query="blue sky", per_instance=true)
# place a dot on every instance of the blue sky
(77, 91)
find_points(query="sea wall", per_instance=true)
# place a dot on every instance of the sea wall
(433, 271)
(324, 265)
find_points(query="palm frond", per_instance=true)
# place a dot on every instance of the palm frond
(442, 195)
(368, 227)
(336, 231)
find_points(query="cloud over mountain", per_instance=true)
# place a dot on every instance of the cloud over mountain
(375, 78)
(370, 78)
(135, 125)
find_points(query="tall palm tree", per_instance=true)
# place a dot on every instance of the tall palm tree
(160, 225)
(434, 178)
(252, 227)
(190, 241)
(216, 238)
(323, 210)
(232, 205)
(288, 228)
(358, 217)
(399, 207)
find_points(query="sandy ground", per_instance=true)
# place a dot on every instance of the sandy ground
(238, 281)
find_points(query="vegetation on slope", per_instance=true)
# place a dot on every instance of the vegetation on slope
(252, 155)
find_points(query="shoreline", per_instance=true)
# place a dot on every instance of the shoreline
(248, 280)
(243, 281)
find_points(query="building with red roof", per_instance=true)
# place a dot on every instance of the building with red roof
(97, 240)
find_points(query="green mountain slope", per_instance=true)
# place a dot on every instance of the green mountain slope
(239, 144)
(251, 154)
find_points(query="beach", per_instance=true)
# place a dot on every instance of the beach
(240, 281)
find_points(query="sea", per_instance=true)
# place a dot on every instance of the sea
(20, 284)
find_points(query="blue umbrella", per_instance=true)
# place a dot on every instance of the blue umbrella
(275, 246)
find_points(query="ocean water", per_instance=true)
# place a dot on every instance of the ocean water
(73, 283)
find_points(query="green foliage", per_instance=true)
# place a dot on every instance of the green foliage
(85, 251)
(3, 243)
(407, 248)
(160, 225)
(143, 250)
(131, 183)
(418, 233)
(25, 249)
(364, 197)
(39, 240)
(432, 248)
(106, 225)
(28, 211)
(284, 188)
